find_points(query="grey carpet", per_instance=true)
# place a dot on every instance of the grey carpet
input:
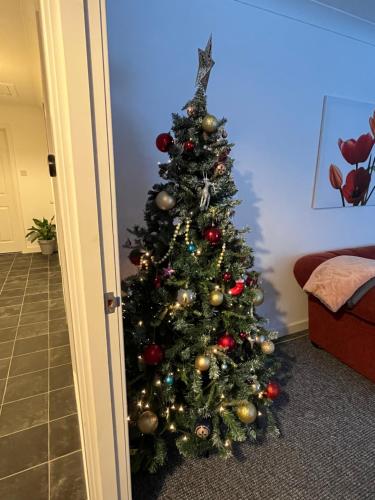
(327, 448)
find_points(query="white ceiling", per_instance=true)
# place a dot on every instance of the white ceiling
(360, 8)
(19, 52)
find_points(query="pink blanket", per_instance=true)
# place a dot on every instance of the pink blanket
(334, 281)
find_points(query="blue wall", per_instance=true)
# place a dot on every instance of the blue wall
(272, 71)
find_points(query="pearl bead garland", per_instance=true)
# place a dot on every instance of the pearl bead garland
(221, 256)
(171, 245)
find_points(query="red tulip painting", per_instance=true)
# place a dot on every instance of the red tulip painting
(350, 164)
(356, 151)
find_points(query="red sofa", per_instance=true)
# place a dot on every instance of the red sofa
(348, 334)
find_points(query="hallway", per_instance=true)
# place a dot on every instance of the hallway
(40, 449)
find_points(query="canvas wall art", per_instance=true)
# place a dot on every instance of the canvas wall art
(346, 158)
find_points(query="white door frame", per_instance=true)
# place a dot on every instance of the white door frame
(75, 48)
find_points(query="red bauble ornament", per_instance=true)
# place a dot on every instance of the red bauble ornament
(272, 390)
(153, 354)
(189, 146)
(227, 342)
(237, 289)
(157, 282)
(135, 257)
(164, 142)
(244, 335)
(227, 276)
(212, 234)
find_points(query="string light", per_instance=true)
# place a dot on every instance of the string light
(185, 438)
(227, 443)
(140, 323)
(172, 427)
(221, 409)
(181, 408)
(143, 391)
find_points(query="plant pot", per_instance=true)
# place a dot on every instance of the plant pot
(47, 247)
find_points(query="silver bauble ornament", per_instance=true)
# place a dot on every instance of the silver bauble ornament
(267, 347)
(165, 201)
(220, 169)
(246, 412)
(258, 297)
(216, 298)
(202, 363)
(210, 124)
(185, 296)
(147, 422)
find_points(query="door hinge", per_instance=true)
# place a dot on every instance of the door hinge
(111, 302)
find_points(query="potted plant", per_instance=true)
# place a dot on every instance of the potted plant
(45, 232)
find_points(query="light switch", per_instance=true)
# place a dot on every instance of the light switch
(23, 173)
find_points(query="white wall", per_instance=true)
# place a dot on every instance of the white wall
(272, 70)
(29, 150)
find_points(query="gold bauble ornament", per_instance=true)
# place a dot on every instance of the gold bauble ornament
(258, 297)
(202, 363)
(216, 298)
(246, 412)
(165, 201)
(210, 124)
(267, 347)
(147, 422)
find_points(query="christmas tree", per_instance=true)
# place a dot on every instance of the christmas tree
(199, 359)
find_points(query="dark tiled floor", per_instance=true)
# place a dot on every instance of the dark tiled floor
(40, 449)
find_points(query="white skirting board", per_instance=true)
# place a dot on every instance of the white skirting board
(295, 327)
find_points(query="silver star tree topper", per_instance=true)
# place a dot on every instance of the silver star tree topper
(205, 65)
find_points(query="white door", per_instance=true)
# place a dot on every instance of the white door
(76, 68)
(10, 234)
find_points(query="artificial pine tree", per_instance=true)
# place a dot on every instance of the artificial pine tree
(198, 358)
